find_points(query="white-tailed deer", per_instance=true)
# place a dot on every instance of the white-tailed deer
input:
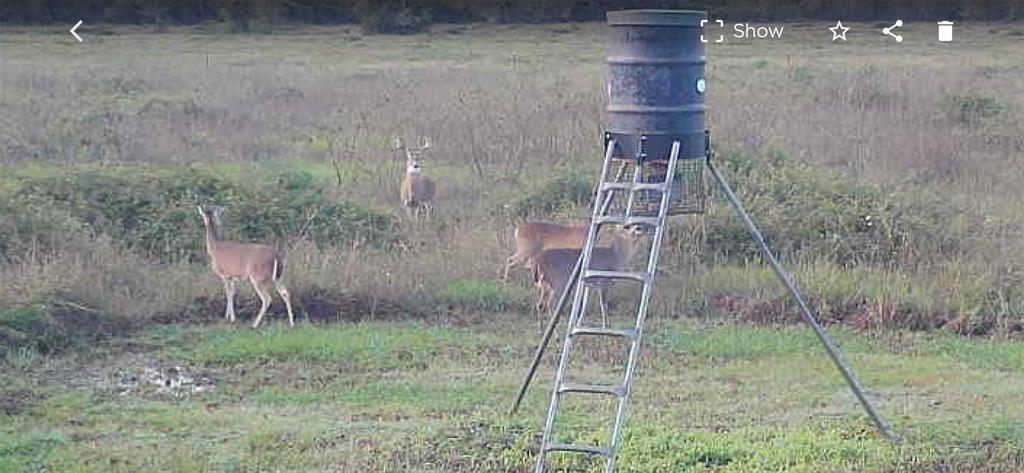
(552, 267)
(231, 260)
(417, 189)
(534, 237)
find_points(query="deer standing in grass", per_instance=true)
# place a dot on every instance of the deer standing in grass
(552, 268)
(534, 237)
(417, 189)
(231, 261)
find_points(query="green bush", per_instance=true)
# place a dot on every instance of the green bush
(28, 225)
(559, 194)
(32, 328)
(804, 209)
(153, 210)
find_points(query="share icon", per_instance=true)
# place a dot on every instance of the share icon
(888, 31)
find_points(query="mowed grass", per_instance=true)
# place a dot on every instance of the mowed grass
(361, 347)
(403, 396)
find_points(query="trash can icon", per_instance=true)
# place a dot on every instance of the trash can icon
(945, 31)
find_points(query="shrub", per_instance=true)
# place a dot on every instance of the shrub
(31, 328)
(296, 206)
(560, 194)
(28, 225)
(153, 211)
(804, 209)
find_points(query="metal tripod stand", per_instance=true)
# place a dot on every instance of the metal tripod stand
(580, 283)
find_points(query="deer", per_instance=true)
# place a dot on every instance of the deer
(417, 189)
(552, 268)
(231, 261)
(534, 237)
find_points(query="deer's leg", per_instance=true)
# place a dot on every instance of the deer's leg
(542, 297)
(229, 294)
(265, 297)
(283, 291)
(511, 261)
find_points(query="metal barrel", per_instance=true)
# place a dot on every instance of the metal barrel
(656, 83)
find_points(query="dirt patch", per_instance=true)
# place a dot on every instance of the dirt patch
(63, 324)
(379, 417)
(862, 315)
(202, 310)
(85, 321)
(327, 306)
(880, 316)
(15, 401)
(319, 304)
(755, 311)
(177, 381)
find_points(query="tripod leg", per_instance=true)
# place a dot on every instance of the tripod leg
(805, 310)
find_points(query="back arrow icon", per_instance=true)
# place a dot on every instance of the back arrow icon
(73, 28)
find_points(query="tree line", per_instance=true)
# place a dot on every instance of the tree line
(412, 16)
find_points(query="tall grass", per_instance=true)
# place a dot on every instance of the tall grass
(890, 190)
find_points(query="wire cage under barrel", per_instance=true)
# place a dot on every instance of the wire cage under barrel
(689, 187)
(688, 190)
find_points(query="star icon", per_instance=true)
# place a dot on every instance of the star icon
(839, 31)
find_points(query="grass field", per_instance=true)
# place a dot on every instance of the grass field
(886, 175)
(423, 397)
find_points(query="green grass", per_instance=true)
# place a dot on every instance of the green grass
(362, 347)
(728, 342)
(414, 397)
(985, 354)
(479, 295)
(834, 445)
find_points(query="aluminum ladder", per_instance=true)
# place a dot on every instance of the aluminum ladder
(583, 283)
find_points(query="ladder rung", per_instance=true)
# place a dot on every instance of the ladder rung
(566, 447)
(639, 276)
(626, 221)
(633, 187)
(611, 390)
(606, 332)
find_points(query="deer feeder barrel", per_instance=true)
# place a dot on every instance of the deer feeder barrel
(656, 83)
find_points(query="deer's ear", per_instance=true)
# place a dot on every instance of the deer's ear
(199, 208)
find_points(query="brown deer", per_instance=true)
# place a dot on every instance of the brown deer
(417, 189)
(552, 268)
(534, 237)
(260, 264)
